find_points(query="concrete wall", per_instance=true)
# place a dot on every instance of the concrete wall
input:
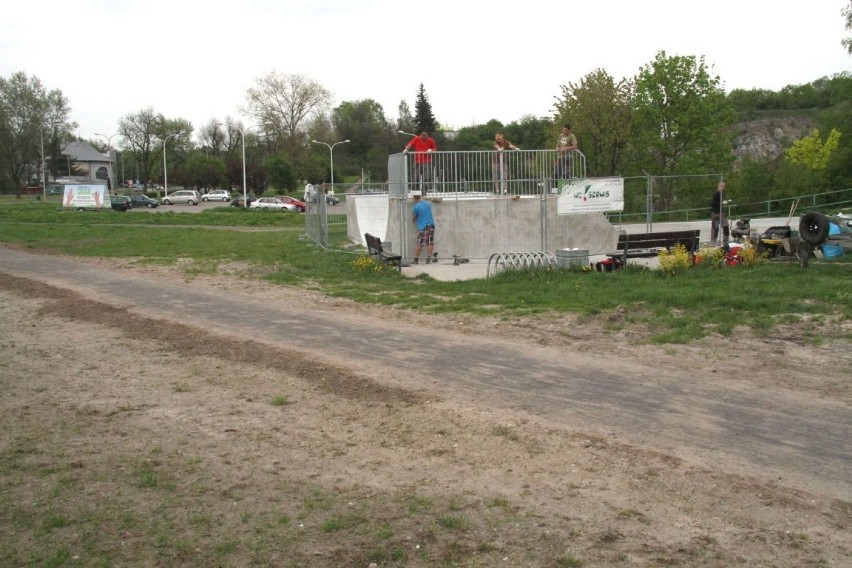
(477, 227)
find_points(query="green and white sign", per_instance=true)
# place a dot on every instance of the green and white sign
(596, 195)
(86, 197)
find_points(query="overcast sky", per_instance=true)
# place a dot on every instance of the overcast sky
(477, 60)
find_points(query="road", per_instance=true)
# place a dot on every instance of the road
(769, 433)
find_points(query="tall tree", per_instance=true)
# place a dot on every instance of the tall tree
(423, 117)
(285, 103)
(213, 138)
(811, 152)
(599, 110)
(238, 139)
(682, 118)
(530, 132)
(139, 132)
(204, 171)
(280, 172)
(365, 124)
(404, 120)
(847, 41)
(30, 117)
(144, 135)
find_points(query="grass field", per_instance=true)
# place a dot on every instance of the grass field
(676, 308)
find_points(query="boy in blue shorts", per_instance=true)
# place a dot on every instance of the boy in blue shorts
(422, 215)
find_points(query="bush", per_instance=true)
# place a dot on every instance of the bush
(674, 261)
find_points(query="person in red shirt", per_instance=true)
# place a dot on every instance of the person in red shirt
(423, 146)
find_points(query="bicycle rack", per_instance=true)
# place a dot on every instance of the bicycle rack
(519, 261)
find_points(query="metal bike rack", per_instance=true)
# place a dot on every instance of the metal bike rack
(520, 261)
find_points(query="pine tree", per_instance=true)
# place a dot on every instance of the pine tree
(423, 117)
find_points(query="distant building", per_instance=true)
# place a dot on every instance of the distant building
(90, 164)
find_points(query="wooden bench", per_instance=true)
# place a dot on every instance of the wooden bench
(643, 245)
(375, 250)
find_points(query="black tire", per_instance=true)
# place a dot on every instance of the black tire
(166, 202)
(191, 202)
(813, 228)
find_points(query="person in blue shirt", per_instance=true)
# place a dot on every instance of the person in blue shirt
(421, 214)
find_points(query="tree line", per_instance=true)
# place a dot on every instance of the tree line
(672, 118)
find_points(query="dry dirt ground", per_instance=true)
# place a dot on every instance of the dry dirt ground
(129, 439)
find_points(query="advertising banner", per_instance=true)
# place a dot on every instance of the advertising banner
(86, 197)
(596, 195)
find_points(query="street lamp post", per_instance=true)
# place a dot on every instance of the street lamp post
(109, 153)
(242, 132)
(243, 137)
(43, 178)
(43, 165)
(165, 172)
(331, 155)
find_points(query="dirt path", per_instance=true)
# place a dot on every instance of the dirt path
(726, 445)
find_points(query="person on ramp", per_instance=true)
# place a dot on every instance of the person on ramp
(421, 214)
(423, 146)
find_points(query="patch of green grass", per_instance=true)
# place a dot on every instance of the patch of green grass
(55, 521)
(416, 504)
(454, 522)
(279, 400)
(673, 310)
(317, 499)
(506, 432)
(568, 561)
(498, 501)
(147, 478)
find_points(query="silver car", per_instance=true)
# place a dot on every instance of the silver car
(188, 196)
(217, 195)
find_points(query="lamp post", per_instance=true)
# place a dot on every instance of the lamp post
(331, 155)
(109, 153)
(243, 137)
(406, 133)
(242, 132)
(165, 173)
(43, 166)
(43, 179)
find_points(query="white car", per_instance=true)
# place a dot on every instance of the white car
(188, 196)
(217, 195)
(272, 203)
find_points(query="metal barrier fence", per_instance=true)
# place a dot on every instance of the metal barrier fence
(683, 199)
(671, 202)
(511, 172)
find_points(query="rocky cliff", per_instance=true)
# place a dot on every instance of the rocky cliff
(765, 139)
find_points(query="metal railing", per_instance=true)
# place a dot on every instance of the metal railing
(511, 172)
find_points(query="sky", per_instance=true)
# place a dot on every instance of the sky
(477, 60)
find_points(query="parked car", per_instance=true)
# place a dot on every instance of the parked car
(217, 195)
(142, 200)
(188, 196)
(300, 205)
(238, 201)
(272, 203)
(120, 202)
(331, 200)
